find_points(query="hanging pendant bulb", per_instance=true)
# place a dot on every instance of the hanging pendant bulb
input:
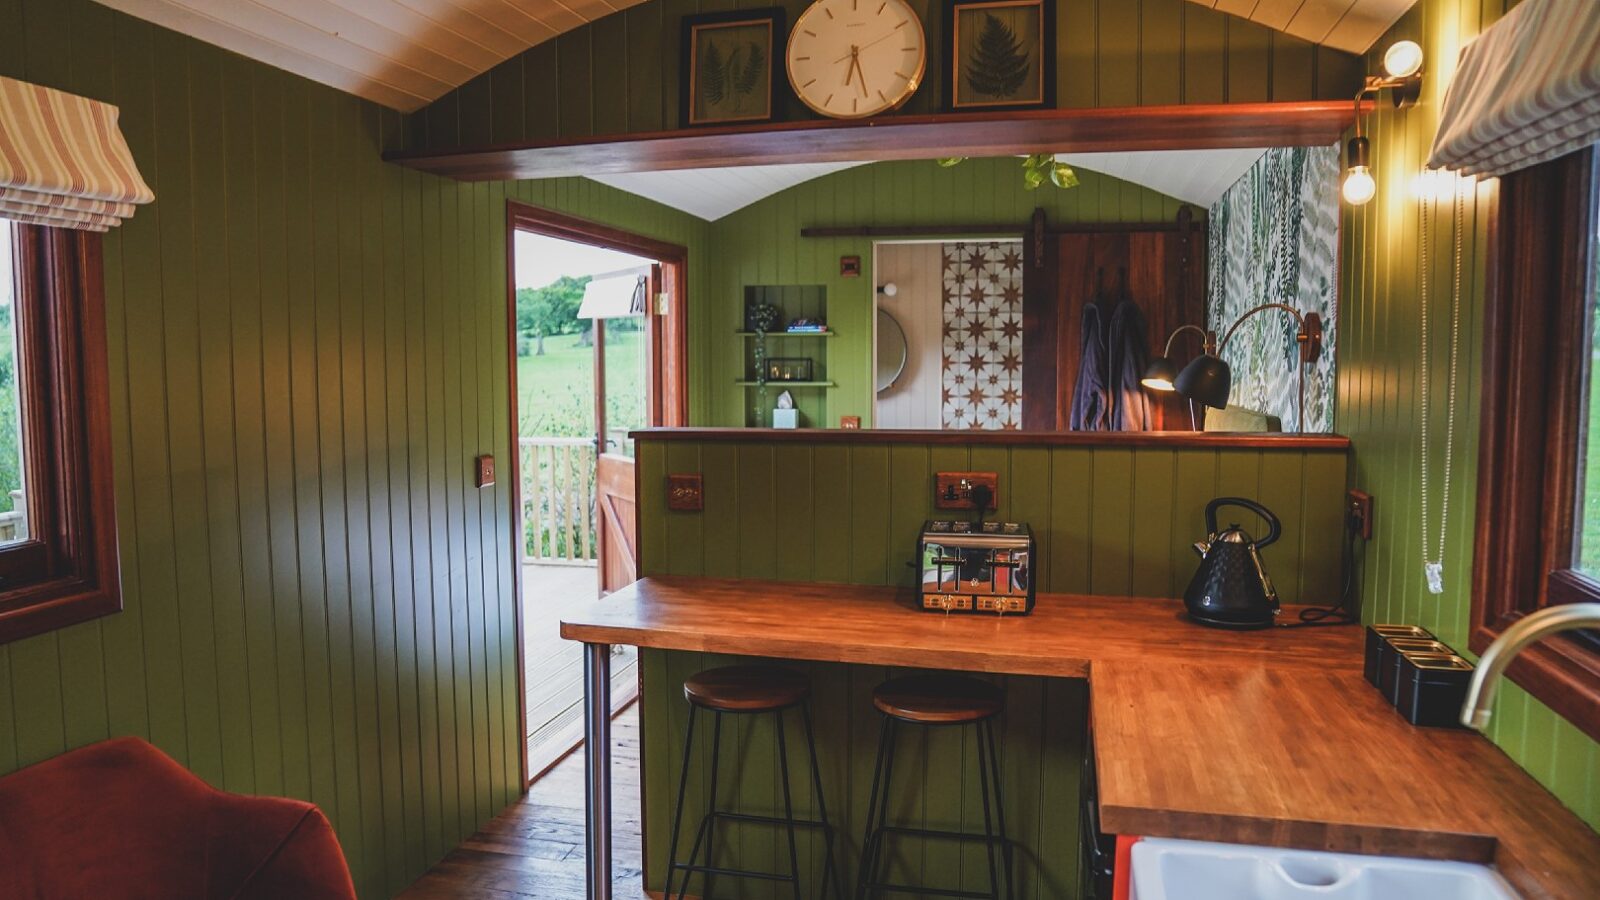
(1359, 186)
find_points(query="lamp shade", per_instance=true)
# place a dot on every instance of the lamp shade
(1160, 375)
(1207, 379)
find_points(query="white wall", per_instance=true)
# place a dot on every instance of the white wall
(916, 269)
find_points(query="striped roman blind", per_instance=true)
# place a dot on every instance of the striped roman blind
(1526, 91)
(63, 161)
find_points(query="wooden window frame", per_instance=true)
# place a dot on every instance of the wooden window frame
(67, 570)
(1535, 335)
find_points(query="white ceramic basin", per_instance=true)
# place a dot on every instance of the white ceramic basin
(1195, 870)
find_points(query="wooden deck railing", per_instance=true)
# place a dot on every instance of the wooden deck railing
(558, 500)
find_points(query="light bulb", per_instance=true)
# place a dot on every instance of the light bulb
(1403, 59)
(889, 289)
(1359, 186)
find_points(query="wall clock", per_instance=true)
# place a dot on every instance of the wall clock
(850, 59)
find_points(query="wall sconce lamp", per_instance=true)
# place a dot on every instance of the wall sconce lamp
(1402, 77)
(1208, 379)
(888, 289)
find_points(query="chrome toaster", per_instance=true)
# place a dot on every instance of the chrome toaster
(983, 568)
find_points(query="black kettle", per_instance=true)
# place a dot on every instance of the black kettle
(1231, 588)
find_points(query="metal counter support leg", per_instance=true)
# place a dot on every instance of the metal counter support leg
(597, 774)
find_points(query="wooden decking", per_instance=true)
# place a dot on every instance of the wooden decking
(554, 678)
(535, 848)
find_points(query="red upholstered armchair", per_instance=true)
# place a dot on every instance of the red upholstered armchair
(120, 820)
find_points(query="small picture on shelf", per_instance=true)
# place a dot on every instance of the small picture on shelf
(788, 368)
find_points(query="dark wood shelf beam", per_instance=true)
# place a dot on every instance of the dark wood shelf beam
(1179, 127)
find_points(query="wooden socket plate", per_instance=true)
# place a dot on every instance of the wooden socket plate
(952, 490)
(685, 493)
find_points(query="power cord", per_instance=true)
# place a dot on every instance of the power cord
(1340, 613)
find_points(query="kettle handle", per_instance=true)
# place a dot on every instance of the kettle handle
(1274, 527)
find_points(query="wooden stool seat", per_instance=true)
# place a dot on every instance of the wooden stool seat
(743, 689)
(938, 699)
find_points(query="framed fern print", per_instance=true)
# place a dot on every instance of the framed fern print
(1002, 54)
(728, 60)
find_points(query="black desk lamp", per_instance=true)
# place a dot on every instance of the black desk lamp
(1208, 379)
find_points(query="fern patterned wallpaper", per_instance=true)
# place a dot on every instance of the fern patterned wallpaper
(1274, 238)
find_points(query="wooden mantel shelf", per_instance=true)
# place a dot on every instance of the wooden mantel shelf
(1269, 737)
(1169, 440)
(1176, 127)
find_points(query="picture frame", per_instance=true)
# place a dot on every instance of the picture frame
(1000, 54)
(731, 67)
(789, 368)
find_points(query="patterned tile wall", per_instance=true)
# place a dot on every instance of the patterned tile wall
(982, 312)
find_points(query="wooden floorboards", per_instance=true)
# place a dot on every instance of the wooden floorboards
(534, 848)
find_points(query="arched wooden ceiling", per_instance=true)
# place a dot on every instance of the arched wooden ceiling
(404, 54)
(1349, 25)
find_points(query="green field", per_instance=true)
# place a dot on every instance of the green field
(555, 392)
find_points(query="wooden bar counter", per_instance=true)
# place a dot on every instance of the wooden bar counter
(1265, 737)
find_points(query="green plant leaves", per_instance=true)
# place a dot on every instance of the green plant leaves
(749, 75)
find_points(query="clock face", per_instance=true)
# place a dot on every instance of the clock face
(855, 58)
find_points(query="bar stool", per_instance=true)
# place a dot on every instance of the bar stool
(748, 690)
(933, 699)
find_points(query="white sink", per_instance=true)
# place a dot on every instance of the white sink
(1196, 870)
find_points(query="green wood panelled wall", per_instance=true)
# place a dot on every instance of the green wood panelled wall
(308, 347)
(1108, 521)
(760, 245)
(1379, 391)
(621, 73)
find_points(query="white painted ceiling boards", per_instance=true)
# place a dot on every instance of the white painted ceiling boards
(713, 193)
(1193, 176)
(402, 54)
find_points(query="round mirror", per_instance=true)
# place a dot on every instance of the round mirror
(891, 351)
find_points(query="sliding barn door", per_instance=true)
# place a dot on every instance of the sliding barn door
(1163, 270)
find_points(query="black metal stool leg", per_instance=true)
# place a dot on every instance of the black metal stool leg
(830, 867)
(989, 848)
(677, 811)
(869, 837)
(707, 829)
(1000, 809)
(788, 804)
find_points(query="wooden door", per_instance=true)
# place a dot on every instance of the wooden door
(617, 526)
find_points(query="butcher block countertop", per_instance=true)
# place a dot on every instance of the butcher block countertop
(1266, 737)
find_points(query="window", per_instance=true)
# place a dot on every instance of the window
(1538, 528)
(58, 549)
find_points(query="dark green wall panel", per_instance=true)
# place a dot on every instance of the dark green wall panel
(307, 348)
(1114, 521)
(620, 74)
(1379, 393)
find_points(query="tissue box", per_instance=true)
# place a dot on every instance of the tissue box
(786, 418)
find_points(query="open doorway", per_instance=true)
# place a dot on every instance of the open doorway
(597, 341)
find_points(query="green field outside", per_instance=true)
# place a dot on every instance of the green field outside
(555, 392)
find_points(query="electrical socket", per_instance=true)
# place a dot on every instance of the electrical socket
(1358, 513)
(953, 490)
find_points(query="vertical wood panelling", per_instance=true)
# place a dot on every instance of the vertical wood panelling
(1379, 392)
(1109, 520)
(307, 348)
(760, 245)
(620, 74)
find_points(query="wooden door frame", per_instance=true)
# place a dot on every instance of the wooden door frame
(668, 376)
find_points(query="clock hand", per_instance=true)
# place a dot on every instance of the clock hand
(877, 40)
(863, 75)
